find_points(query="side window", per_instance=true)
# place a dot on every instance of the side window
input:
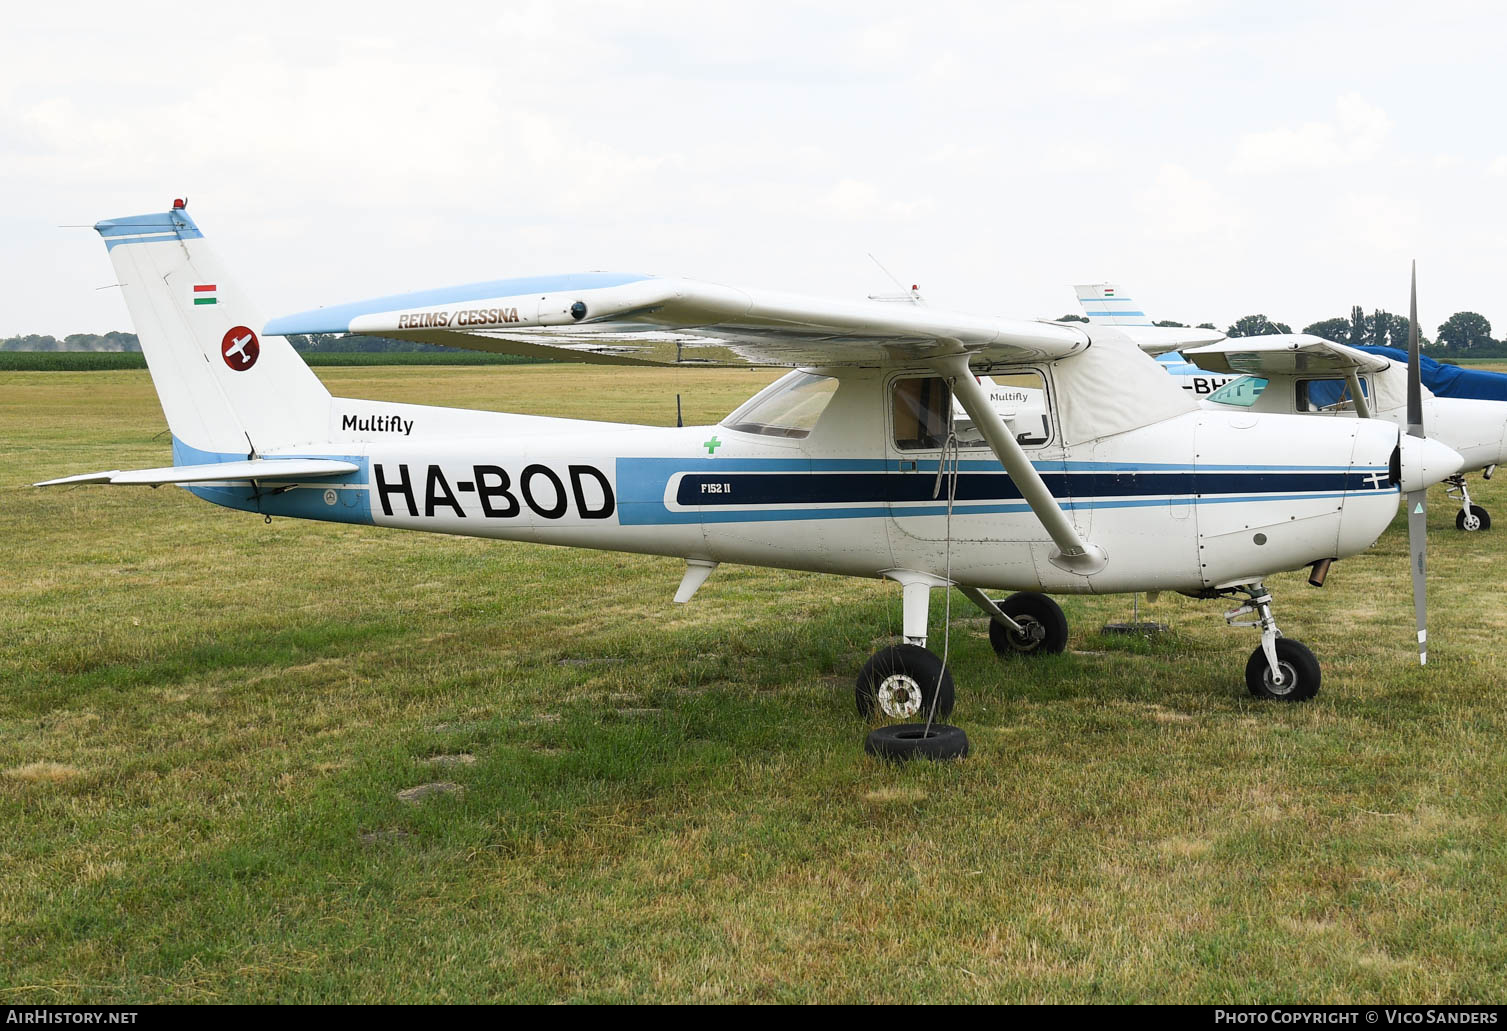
(1022, 399)
(920, 406)
(1319, 395)
(920, 411)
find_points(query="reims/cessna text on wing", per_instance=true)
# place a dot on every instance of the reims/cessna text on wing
(1092, 472)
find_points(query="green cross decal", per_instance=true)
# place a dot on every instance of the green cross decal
(712, 445)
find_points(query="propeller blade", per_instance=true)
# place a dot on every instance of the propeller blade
(1415, 389)
(1417, 500)
(1417, 542)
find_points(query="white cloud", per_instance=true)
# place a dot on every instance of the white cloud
(1180, 204)
(1356, 134)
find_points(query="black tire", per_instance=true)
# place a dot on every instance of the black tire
(1480, 514)
(1039, 615)
(903, 742)
(907, 662)
(1296, 662)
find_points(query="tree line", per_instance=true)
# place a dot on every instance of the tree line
(1465, 334)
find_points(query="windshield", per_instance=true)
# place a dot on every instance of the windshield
(1240, 392)
(789, 408)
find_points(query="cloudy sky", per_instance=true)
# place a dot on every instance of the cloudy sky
(1215, 158)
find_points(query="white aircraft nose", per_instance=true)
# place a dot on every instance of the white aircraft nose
(1425, 462)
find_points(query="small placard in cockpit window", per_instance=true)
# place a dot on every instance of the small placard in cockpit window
(920, 411)
(1021, 400)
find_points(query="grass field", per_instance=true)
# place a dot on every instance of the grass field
(206, 721)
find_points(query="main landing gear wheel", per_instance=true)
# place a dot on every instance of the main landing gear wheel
(1476, 519)
(1041, 619)
(900, 681)
(1300, 673)
(903, 742)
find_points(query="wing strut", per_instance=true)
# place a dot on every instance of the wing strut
(1362, 409)
(1074, 553)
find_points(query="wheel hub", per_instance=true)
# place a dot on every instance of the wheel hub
(1032, 633)
(1289, 679)
(899, 696)
(1471, 521)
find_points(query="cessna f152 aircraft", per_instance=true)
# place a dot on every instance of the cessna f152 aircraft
(1308, 375)
(1090, 471)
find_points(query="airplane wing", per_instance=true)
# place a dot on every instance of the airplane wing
(626, 319)
(1285, 354)
(272, 469)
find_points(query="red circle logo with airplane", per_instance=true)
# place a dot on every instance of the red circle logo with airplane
(240, 348)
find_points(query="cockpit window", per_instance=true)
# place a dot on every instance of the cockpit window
(789, 408)
(1242, 392)
(1328, 395)
(921, 403)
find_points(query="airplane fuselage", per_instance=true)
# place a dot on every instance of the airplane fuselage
(1189, 503)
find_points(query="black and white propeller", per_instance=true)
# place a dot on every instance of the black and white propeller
(1417, 499)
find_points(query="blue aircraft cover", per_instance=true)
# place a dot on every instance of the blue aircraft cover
(1451, 380)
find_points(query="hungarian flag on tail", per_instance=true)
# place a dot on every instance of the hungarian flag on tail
(204, 293)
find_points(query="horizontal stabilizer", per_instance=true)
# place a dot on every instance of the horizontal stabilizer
(219, 472)
(1156, 340)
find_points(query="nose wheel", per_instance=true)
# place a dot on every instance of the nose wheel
(1299, 673)
(1471, 518)
(1280, 669)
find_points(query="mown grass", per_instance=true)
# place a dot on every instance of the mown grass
(205, 722)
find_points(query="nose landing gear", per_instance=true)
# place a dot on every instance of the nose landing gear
(1471, 518)
(1281, 668)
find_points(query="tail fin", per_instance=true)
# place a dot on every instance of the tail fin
(224, 388)
(1105, 305)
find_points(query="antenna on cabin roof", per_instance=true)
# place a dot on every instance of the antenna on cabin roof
(913, 295)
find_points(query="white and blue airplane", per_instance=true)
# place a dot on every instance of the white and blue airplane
(1302, 374)
(1088, 472)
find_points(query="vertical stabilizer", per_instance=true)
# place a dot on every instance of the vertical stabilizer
(224, 387)
(1106, 305)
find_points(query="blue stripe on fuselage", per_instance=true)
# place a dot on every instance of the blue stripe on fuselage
(745, 489)
(759, 490)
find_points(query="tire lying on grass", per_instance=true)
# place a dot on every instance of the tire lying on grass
(902, 742)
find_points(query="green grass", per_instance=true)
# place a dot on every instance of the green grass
(115, 361)
(205, 721)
